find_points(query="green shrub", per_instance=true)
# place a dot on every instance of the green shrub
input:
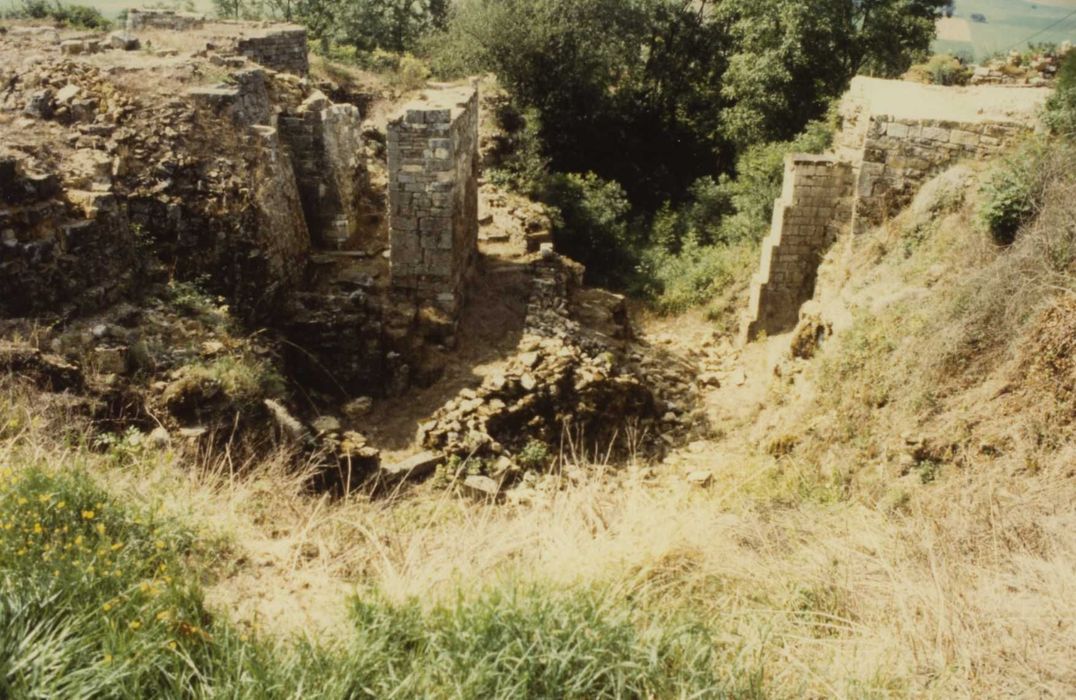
(593, 225)
(1060, 113)
(534, 455)
(941, 69)
(695, 274)
(81, 16)
(1013, 192)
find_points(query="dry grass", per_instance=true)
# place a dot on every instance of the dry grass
(966, 590)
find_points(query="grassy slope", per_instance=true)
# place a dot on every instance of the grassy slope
(893, 519)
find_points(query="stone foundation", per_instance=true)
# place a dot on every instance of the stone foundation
(808, 217)
(433, 197)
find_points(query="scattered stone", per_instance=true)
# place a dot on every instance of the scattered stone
(359, 407)
(702, 479)
(159, 438)
(326, 424)
(123, 41)
(416, 467)
(289, 425)
(481, 487)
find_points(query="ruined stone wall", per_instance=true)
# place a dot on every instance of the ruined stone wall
(899, 155)
(143, 18)
(325, 142)
(433, 197)
(281, 49)
(60, 251)
(813, 208)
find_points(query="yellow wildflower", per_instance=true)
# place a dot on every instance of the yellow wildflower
(159, 544)
(163, 616)
(106, 607)
(101, 528)
(172, 645)
(38, 529)
(44, 498)
(88, 515)
(117, 547)
(61, 505)
(135, 625)
(108, 658)
(23, 501)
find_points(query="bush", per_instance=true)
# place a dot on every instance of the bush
(592, 225)
(1060, 113)
(80, 16)
(695, 274)
(1013, 192)
(941, 69)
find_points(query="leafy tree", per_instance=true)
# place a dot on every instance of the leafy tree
(368, 25)
(628, 89)
(792, 57)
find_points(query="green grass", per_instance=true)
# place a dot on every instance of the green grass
(101, 599)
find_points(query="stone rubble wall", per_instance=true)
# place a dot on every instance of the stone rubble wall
(325, 142)
(283, 50)
(899, 155)
(145, 18)
(433, 201)
(60, 250)
(813, 209)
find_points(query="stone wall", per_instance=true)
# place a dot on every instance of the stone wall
(60, 251)
(282, 49)
(899, 155)
(325, 142)
(245, 99)
(813, 209)
(433, 197)
(143, 18)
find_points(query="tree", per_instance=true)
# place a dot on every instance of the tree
(367, 25)
(792, 57)
(628, 89)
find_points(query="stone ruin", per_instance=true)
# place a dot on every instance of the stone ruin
(433, 197)
(279, 46)
(895, 136)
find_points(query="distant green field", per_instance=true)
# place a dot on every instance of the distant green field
(1009, 24)
(111, 8)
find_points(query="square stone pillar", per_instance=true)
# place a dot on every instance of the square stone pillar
(433, 197)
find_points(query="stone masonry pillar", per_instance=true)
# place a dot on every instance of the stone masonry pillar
(433, 197)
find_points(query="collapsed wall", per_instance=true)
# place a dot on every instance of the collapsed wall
(894, 137)
(433, 197)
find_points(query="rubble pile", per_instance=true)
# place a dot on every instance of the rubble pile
(564, 385)
(1037, 70)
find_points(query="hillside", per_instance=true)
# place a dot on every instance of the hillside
(298, 400)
